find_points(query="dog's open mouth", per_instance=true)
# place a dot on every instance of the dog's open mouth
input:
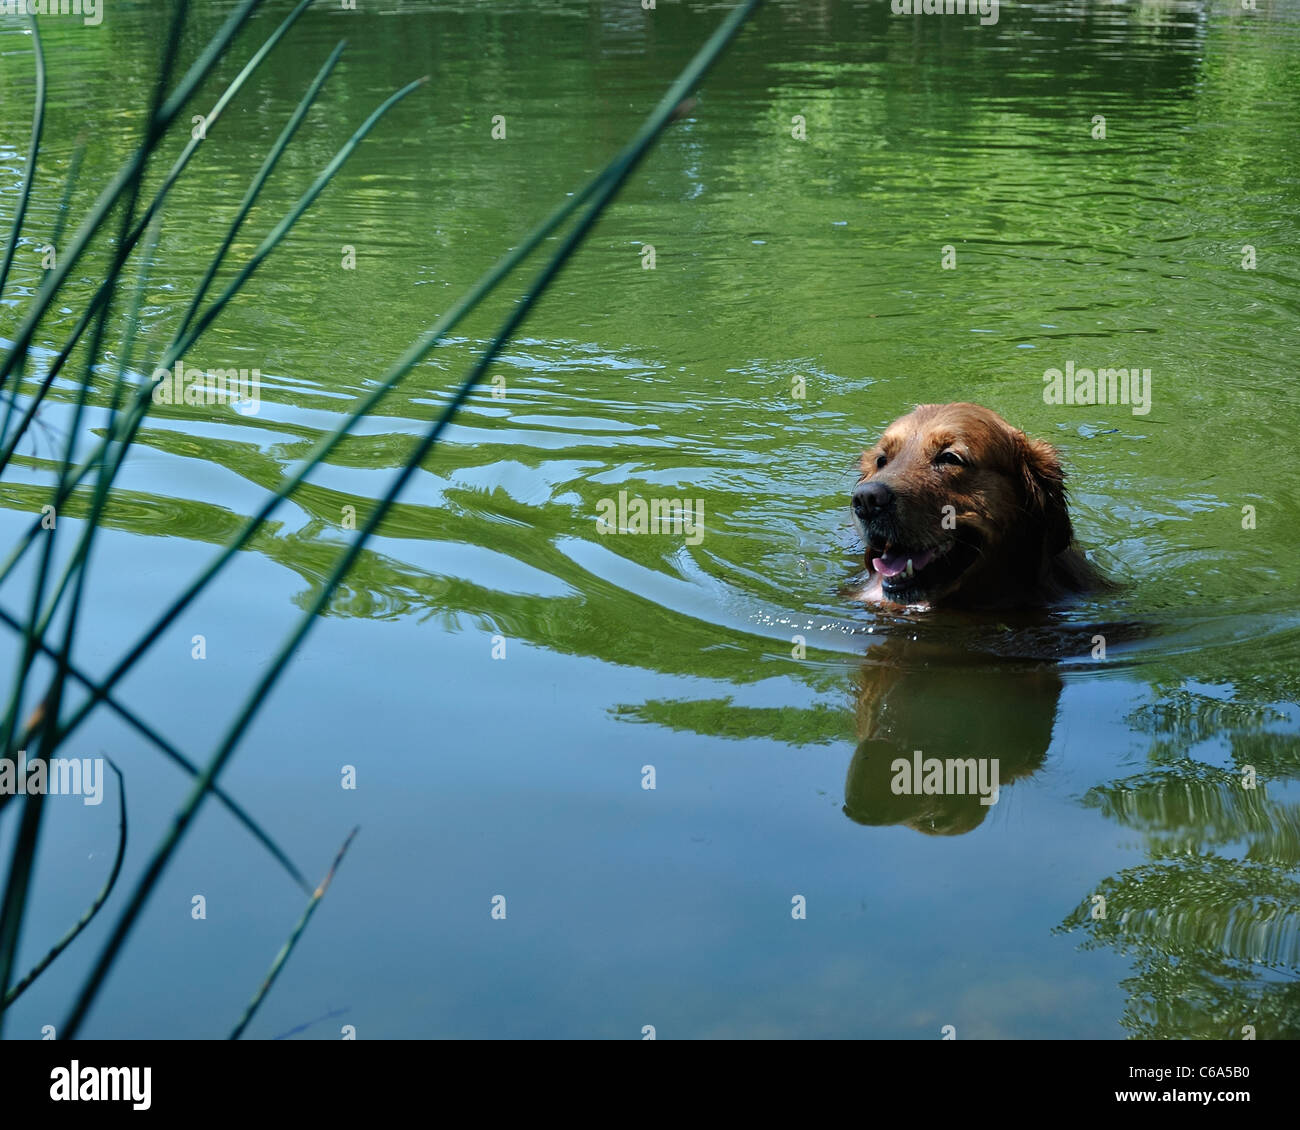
(909, 576)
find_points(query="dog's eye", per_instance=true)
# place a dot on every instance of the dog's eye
(880, 461)
(950, 457)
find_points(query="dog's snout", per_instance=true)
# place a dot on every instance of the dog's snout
(870, 498)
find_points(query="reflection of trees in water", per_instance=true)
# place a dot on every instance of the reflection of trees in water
(1212, 919)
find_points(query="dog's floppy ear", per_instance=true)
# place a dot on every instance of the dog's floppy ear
(1045, 493)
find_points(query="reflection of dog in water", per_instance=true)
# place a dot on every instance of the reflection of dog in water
(987, 715)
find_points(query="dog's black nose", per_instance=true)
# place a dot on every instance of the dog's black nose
(870, 498)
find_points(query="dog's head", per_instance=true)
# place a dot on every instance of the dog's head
(957, 507)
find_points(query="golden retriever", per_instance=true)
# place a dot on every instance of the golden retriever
(959, 509)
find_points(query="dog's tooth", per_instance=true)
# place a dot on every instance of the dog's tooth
(909, 566)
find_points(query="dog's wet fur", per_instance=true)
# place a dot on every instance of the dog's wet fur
(958, 509)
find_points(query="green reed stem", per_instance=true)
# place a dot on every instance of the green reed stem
(620, 169)
(255, 188)
(173, 352)
(172, 754)
(64, 942)
(38, 124)
(413, 356)
(35, 625)
(126, 175)
(287, 948)
(60, 221)
(169, 180)
(18, 884)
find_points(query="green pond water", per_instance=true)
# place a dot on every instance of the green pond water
(503, 677)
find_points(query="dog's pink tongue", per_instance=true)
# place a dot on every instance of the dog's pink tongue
(891, 564)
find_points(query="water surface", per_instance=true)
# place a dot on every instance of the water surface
(500, 673)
